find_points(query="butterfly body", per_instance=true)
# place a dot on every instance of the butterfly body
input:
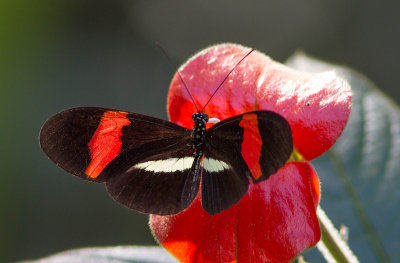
(155, 166)
(198, 132)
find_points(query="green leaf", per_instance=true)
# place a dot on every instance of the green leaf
(360, 174)
(120, 254)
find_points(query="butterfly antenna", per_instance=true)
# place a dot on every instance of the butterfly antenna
(177, 71)
(220, 85)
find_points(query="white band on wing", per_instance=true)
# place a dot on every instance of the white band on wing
(166, 165)
(212, 165)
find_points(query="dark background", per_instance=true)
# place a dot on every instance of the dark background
(61, 54)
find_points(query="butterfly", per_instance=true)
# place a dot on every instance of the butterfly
(155, 166)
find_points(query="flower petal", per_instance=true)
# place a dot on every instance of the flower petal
(274, 222)
(317, 106)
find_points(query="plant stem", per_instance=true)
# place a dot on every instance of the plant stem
(332, 246)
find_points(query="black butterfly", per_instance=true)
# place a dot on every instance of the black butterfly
(155, 166)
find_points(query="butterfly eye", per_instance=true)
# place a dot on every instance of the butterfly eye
(195, 116)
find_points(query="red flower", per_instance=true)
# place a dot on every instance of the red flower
(276, 219)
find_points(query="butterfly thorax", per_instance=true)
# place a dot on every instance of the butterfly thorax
(199, 130)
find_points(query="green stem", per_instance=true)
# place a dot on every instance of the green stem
(332, 246)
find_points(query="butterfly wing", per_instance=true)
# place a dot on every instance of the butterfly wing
(117, 148)
(224, 181)
(251, 145)
(156, 177)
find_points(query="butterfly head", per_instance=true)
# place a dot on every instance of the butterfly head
(200, 117)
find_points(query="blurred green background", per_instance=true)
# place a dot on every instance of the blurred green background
(60, 54)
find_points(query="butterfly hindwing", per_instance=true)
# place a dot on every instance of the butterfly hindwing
(192, 182)
(223, 183)
(152, 178)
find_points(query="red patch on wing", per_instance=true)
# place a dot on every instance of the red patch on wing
(106, 142)
(251, 145)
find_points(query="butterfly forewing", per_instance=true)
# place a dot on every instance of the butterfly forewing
(251, 145)
(65, 138)
(263, 139)
(83, 141)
